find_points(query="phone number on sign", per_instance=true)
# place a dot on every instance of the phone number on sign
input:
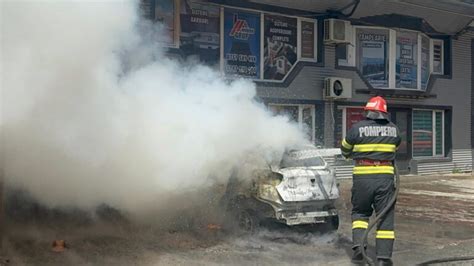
(241, 70)
(241, 58)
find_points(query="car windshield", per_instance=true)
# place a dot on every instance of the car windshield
(301, 159)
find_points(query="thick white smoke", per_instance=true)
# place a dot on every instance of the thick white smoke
(94, 113)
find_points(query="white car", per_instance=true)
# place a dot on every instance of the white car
(301, 189)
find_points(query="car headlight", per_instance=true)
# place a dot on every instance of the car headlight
(269, 192)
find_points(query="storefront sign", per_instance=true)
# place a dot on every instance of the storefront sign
(353, 115)
(373, 56)
(241, 43)
(280, 46)
(199, 34)
(407, 60)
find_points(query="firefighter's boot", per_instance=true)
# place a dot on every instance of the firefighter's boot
(357, 257)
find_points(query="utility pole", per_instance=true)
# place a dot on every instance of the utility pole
(2, 176)
(2, 197)
(3, 259)
(2, 152)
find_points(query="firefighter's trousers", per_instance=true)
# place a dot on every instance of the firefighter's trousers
(371, 192)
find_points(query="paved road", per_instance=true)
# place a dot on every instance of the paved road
(434, 220)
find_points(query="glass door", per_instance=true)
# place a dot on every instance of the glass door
(402, 118)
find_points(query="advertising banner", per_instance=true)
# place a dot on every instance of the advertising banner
(199, 35)
(373, 59)
(406, 60)
(280, 46)
(241, 43)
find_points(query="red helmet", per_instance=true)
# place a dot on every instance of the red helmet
(376, 103)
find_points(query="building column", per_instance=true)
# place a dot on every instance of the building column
(329, 124)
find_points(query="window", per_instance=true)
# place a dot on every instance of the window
(439, 133)
(200, 32)
(438, 55)
(291, 111)
(264, 46)
(372, 54)
(342, 54)
(346, 117)
(307, 121)
(422, 133)
(407, 60)
(307, 39)
(165, 13)
(242, 43)
(428, 133)
(351, 116)
(400, 118)
(303, 115)
(425, 61)
(393, 59)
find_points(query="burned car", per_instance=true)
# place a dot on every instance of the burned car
(300, 190)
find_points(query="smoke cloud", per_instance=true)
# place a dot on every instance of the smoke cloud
(93, 112)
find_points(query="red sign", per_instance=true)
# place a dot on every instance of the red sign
(353, 115)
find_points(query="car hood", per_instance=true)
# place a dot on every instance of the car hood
(306, 184)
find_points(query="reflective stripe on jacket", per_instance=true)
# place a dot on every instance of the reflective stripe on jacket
(372, 140)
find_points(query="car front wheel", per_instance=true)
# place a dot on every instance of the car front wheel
(246, 221)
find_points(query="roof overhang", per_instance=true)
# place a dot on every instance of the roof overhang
(445, 16)
(455, 7)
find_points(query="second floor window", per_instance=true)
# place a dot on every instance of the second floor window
(425, 62)
(393, 59)
(407, 60)
(438, 56)
(372, 55)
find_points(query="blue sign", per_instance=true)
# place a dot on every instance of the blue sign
(373, 59)
(241, 43)
(406, 61)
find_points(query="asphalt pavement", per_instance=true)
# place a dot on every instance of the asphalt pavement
(434, 219)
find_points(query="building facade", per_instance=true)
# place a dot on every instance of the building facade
(320, 61)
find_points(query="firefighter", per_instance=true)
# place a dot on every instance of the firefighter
(372, 144)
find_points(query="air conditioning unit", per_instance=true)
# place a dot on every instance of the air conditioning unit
(337, 88)
(337, 31)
